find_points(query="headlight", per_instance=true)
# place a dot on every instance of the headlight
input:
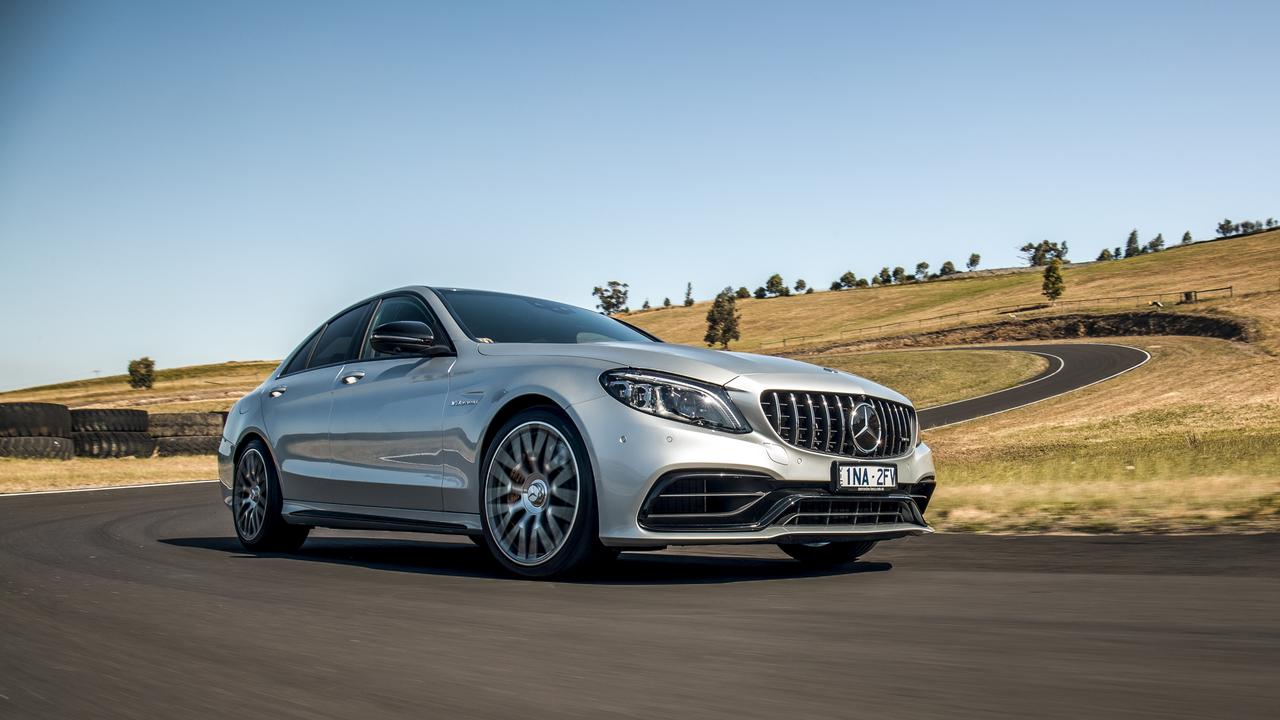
(675, 398)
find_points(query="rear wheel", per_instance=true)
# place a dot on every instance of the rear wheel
(256, 502)
(827, 554)
(538, 502)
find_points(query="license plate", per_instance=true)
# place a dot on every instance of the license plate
(865, 478)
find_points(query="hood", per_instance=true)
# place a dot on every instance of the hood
(712, 366)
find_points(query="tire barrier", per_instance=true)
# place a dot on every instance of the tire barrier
(29, 419)
(113, 444)
(45, 448)
(50, 431)
(186, 424)
(102, 420)
(188, 445)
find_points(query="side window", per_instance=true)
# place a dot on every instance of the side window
(399, 307)
(338, 339)
(299, 359)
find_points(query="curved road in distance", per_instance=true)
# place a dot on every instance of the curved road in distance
(1071, 367)
(140, 603)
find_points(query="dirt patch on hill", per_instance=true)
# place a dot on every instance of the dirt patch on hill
(1059, 327)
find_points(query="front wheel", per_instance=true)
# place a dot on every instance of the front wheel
(828, 554)
(538, 502)
(256, 502)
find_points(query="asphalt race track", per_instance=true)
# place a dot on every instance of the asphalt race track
(140, 603)
(1071, 366)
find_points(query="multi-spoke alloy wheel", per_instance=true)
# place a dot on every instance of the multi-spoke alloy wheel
(249, 500)
(256, 500)
(538, 502)
(531, 498)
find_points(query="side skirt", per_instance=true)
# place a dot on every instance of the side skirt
(357, 517)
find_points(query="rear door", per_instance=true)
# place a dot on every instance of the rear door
(298, 403)
(386, 424)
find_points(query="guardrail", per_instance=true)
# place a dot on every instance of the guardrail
(1139, 300)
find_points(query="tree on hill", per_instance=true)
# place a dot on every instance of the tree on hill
(1116, 254)
(688, 294)
(1053, 285)
(646, 305)
(1186, 238)
(142, 373)
(722, 320)
(1226, 227)
(1156, 244)
(948, 268)
(801, 285)
(884, 276)
(862, 282)
(835, 285)
(775, 285)
(808, 290)
(761, 293)
(1131, 246)
(899, 275)
(1105, 255)
(1037, 254)
(848, 279)
(613, 297)
(922, 271)
(974, 259)
(743, 293)
(666, 302)
(1271, 222)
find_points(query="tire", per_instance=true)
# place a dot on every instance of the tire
(256, 513)
(542, 500)
(29, 419)
(188, 445)
(828, 554)
(103, 420)
(51, 448)
(113, 444)
(186, 424)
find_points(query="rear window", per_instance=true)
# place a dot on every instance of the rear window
(500, 318)
(299, 359)
(338, 339)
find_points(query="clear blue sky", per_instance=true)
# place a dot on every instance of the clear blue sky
(207, 181)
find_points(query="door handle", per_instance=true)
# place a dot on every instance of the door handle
(278, 391)
(353, 378)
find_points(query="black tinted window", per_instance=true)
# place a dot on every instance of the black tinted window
(299, 359)
(393, 309)
(338, 338)
(495, 317)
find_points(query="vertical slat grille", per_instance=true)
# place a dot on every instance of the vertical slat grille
(822, 422)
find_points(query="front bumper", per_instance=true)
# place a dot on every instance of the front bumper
(632, 451)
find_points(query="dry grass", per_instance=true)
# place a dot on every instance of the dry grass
(1250, 264)
(196, 388)
(29, 475)
(937, 377)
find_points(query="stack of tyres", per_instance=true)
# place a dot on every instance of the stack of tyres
(35, 430)
(187, 433)
(111, 433)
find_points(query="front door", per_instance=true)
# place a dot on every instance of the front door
(385, 428)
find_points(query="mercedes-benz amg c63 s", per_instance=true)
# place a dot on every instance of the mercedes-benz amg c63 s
(556, 437)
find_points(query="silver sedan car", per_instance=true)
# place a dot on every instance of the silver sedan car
(556, 437)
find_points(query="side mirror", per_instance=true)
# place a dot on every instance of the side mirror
(403, 337)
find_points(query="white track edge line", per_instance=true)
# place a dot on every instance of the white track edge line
(107, 487)
(1064, 392)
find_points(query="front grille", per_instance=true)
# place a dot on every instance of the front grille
(821, 421)
(834, 510)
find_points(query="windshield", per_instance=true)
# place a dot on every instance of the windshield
(491, 317)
